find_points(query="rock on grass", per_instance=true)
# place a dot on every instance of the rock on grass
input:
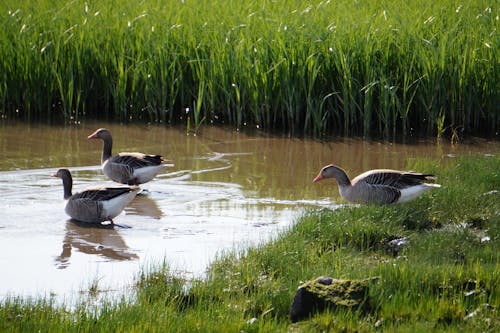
(326, 292)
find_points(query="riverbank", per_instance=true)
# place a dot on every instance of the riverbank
(318, 68)
(444, 277)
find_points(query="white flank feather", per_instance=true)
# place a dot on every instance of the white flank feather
(112, 208)
(145, 174)
(412, 192)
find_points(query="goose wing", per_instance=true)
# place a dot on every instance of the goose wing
(392, 178)
(136, 160)
(102, 193)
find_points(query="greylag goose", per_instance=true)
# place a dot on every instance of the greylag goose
(380, 187)
(95, 205)
(127, 168)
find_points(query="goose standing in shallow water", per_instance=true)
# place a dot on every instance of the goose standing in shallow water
(95, 205)
(378, 187)
(127, 168)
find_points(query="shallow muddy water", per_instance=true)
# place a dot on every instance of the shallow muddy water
(226, 190)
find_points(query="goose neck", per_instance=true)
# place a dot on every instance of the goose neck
(67, 185)
(106, 149)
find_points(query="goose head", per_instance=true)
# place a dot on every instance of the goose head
(332, 171)
(105, 136)
(102, 134)
(65, 175)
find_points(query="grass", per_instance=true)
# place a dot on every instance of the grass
(445, 279)
(318, 67)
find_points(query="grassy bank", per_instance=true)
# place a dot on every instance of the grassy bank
(445, 279)
(318, 67)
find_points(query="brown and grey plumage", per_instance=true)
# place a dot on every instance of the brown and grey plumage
(382, 186)
(95, 205)
(127, 168)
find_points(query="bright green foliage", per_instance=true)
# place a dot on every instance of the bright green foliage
(316, 67)
(446, 278)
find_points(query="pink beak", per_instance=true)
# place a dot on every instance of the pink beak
(91, 136)
(318, 178)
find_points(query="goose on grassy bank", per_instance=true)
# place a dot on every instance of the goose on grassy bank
(127, 168)
(379, 187)
(95, 205)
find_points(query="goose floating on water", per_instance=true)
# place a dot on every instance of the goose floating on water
(127, 168)
(95, 205)
(379, 187)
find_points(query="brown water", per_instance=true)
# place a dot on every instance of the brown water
(226, 190)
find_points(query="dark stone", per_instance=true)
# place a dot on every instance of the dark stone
(326, 292)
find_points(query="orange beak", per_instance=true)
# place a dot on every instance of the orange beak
(318, 178)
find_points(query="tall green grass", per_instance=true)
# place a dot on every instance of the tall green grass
(319, 67)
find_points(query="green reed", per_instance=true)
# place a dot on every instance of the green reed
(322, 67)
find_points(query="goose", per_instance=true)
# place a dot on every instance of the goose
(127, 168)
(379, 187)
(95, 205)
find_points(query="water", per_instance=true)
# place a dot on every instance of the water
(226, 190)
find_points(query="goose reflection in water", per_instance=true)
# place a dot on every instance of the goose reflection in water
(95, 239)
(143, 205)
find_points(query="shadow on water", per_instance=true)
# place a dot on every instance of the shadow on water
(93, 239)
